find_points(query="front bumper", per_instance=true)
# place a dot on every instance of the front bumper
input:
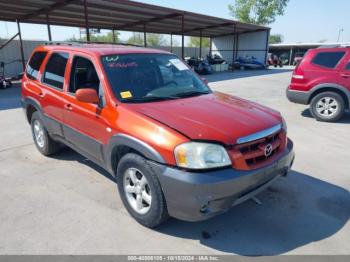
(199, 196)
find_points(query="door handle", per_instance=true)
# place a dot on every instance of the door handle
(345, 75)
(68, 107)
(39, 93)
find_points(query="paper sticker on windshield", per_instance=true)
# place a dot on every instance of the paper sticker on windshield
(178, 64)
(126, 94)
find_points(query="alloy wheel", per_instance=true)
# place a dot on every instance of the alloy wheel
(327, 106)
(39, 134)
(137, 191)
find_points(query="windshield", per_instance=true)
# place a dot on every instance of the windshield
(151, 77)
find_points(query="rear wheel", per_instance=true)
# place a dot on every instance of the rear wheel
(42, 139)
(140, 191)
(327, 107)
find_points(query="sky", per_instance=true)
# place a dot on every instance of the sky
(303, 21)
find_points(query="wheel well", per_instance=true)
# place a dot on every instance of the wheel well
(331, 89)
(118, 152)
(29, 112)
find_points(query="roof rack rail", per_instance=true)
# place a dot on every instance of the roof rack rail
(79, 43)
(346, 45)
(58, 43)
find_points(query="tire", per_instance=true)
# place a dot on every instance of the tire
(149, 215)
(45, 144)
(327, 107)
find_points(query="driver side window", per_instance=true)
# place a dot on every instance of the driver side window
(84, 75)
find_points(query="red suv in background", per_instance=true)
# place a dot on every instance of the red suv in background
(322, 79)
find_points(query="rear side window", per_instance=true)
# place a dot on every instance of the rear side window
(328, 59)
(34, 64)
(55, 68)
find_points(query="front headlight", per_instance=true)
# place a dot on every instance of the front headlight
(284, 125)
(196, 155)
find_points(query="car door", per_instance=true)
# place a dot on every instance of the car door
(345, 73)
(85, 123)
(51, 90)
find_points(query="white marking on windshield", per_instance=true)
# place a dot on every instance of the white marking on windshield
(178, 64)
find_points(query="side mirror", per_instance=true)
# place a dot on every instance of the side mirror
(87, 95)
(205, 81)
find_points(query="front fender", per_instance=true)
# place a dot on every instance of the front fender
(134, 143)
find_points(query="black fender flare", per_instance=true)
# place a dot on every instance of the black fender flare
(341, 88)
(30, 101)
(134, 143)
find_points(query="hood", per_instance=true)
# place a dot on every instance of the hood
(214, 117)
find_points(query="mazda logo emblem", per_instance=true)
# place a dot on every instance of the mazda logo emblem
(268, 149)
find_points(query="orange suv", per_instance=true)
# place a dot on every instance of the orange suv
(175, 147)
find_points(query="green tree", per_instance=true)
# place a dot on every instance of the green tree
(260, 12)
(156, 40)
(175, 42)
(194, 42)
(98, 38)
(276, 39)
(152, 39)
(135, 39)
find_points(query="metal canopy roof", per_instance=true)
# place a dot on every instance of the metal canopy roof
(120, 15)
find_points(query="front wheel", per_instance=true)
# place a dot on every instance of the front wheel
(140, 191)
(327, 107)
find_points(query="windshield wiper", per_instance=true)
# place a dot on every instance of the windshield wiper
(162, 98)
(150, 99)
(192, 93)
